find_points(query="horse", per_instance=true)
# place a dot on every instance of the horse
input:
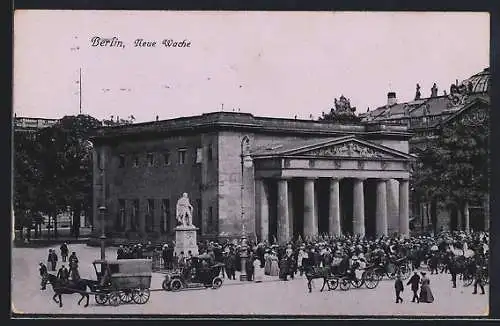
(71, 287)
(313, 272)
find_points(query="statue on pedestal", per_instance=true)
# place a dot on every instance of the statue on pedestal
(184, 211)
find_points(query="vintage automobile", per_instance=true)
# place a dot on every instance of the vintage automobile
(122, 281)
(197, 273)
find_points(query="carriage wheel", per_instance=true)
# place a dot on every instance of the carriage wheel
(165, 285)
(141, 296)
(356, 283)
(216, 283)
(126, 296)
(371, 281)
(176, 285)
(345, 284)
(101, 298)
(333, 283)
(114, 299)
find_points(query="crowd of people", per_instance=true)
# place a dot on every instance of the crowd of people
(456, 253)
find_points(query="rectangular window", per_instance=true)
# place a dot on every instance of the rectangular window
(120, 222)
(121, 163)
(165, 216)
(150, 213)
(210, 152)
(136, 161)
(134, 218)
(182, 156)
(166, 158)
(151, 159)
(199, 155)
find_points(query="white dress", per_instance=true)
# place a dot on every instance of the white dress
(258, 272)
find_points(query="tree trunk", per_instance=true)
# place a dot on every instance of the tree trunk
(55, 225)
(76, 220)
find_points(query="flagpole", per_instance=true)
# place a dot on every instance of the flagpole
(80, 83)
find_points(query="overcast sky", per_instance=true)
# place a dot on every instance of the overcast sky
(265, 63)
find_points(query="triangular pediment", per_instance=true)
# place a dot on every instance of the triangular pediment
(349, 147)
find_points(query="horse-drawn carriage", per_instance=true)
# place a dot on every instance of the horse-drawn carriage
(122, 281)
(353, 277)
(199, 272)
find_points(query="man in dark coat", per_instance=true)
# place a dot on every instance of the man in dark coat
(73, 267)
(398, 286)
(230, 261)
(453, 268)
(414, 281)
(63, 274)
(478, 279)
(43, 274)
(64, 251)
(52, 259)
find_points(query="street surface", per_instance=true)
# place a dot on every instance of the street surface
(271, 297)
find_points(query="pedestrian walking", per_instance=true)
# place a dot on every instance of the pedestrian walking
(414, 282)
(399, 288)
(43, 274)
(63, 274)
(52, 260)
(425, 290)
(258, 270)
(478, 279)
(73, 267)
(64, 252)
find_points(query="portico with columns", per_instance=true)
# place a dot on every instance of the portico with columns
(335, 186)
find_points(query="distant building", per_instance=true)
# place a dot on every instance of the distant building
(468, 101)
(26, 124)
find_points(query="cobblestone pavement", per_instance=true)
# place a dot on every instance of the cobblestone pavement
(272, 297)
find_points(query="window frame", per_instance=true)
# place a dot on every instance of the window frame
(121, 161)
(183, 156)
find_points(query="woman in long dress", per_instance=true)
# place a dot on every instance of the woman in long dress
(267, 264)
(425, 290)
(275, 270)
(258, 271)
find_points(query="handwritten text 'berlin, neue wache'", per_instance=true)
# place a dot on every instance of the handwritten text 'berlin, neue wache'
(115, 42)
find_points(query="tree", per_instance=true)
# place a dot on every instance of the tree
(26, 179)
(67, 167)
(454, 166)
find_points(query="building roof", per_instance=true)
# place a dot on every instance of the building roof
(433, 106)
(245, 121)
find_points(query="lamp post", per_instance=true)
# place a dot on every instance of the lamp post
(102, 213)
(246, 162)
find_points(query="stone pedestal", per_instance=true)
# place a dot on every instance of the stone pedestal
(185, 240)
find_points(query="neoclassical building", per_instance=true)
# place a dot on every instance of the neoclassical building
(271, 177)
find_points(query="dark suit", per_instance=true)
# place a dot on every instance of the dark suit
(398, 286)
(414, 281)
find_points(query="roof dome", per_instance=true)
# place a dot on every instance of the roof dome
(480, 82)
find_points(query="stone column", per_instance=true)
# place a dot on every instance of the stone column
(334, 216)
(404, 200)
(486, 204)
(466, 217)
(359, 208)
(291, 213)
(283, 217)
(310, 225)
(459, 218)
(263, 208)
(381, 213)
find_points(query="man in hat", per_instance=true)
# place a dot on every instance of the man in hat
(478, 279)
(64, 251)
(43, 274)
(398, 287)
(415, 282)
(63, 274)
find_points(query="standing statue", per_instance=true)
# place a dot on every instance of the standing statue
(184, 211)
